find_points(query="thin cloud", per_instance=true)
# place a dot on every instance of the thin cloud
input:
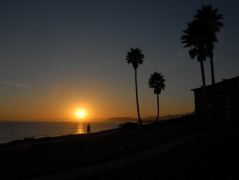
(15, 84)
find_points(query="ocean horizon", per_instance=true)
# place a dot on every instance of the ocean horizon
(14, 130)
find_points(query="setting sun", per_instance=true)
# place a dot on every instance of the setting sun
(80, 114)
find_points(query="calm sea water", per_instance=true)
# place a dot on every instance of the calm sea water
(19, 130)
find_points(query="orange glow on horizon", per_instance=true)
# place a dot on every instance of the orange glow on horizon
(102, 109)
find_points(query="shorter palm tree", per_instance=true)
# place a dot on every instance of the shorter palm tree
(157, 82)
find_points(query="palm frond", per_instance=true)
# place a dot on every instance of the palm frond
(157, 82)
(135, 57)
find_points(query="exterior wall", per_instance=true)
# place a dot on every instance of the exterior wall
(222, 101)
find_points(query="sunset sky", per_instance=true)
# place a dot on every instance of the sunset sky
(57, 56)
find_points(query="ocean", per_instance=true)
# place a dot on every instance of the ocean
(19, 130)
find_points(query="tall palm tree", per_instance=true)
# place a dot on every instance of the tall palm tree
(157, 82)
(194, 39)
(135, 57)
(210, 21)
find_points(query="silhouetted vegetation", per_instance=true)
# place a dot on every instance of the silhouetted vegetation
(135, 57)
(193, 38)
(157, 82)
(210, 24)
(128, 125)
(200, 37)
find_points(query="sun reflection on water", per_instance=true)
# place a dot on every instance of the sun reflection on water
(80, 129)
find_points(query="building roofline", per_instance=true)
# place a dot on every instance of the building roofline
(210, 85)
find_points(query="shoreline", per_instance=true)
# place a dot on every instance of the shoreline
(66, 153)
(53, 138)
(22, 131)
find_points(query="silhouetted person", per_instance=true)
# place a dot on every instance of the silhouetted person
(88, 129)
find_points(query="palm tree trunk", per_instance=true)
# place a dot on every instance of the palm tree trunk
(157, 118)
(203, 74)
(203, 113)
(212, 69)
(213, 86)
(137, 99)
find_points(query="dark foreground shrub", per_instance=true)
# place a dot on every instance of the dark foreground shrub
(128, 125)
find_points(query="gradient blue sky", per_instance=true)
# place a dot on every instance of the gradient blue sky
(56, 56)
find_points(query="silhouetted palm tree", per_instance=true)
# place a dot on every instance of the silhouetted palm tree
(157, 82)
(210, 21)
(135, 57)
(194, 39)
